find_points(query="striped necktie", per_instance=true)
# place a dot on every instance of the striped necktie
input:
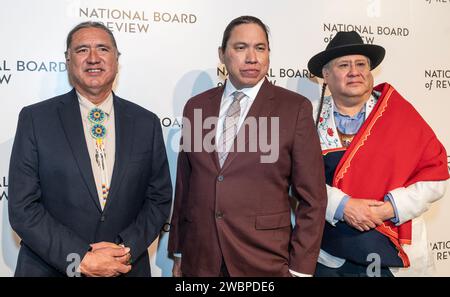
(230, 127)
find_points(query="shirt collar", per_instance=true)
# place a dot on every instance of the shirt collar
(356, 116)
(106, 105)
(365, 109)
(250, 92)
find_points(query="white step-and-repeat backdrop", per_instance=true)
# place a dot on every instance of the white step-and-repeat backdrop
(169, 53)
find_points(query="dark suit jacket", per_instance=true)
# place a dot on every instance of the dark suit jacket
(53, 201)
(241, 212)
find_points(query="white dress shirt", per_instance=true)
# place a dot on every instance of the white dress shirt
(245, 103)
(109, 142)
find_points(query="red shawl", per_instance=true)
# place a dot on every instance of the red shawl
(394, 148)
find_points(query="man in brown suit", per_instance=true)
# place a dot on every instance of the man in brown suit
(232, 213)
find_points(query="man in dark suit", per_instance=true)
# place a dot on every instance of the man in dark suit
(232, 213)
(67, 149)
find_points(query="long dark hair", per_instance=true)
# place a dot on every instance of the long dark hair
(319, 111)
(245, 19)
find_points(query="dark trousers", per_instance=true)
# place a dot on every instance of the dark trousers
(349, 269)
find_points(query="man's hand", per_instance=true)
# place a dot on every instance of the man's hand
(106, 259)
(384, 212)
(176, 269)
(358, 214)
(103, 244)
(109, 248)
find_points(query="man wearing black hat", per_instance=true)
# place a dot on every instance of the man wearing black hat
(377, 190)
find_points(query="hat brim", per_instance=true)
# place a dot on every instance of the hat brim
(374, 52)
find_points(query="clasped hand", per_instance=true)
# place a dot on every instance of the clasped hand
(106, 259)
(366, 214)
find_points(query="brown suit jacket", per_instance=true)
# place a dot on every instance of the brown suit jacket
(240, 213)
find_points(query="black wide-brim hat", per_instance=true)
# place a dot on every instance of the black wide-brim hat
(343, 44)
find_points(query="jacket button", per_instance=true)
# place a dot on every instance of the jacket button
(102, 218)
(219, 215)
(220, 178)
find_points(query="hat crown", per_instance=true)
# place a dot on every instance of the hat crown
(345, 39)
(344, 44)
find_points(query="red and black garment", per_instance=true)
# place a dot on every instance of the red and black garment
(394, 148)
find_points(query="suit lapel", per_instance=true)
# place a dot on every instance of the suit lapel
(261, 107)
(124, 135)
(70, 116)
(212, 110)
